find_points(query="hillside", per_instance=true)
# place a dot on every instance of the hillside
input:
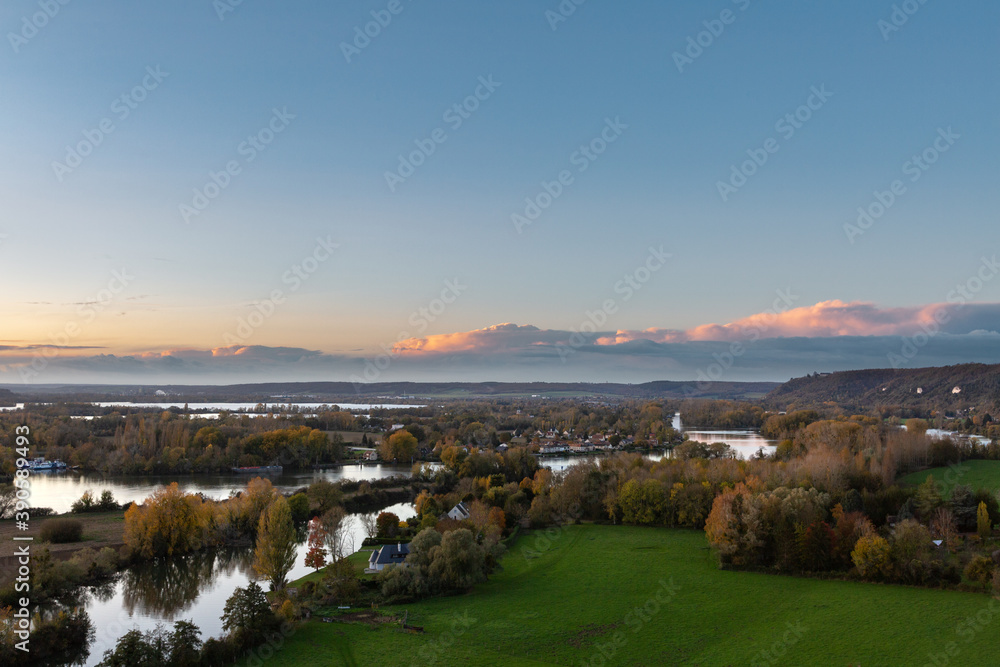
(7, 398)
(978, 387)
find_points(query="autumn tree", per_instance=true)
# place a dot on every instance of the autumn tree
(316, 555)
(984, 526)
(872, 556)
(169, 522)
(400, 446)
(274, 556)
(387, 524)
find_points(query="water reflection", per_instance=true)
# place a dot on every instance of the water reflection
(169, 587)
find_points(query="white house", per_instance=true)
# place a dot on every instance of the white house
(459, 512)
(389, 554)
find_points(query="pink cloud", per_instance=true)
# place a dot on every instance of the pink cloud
(822, 320)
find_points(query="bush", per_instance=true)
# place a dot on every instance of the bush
(980, 571)
(60, 531)
(871, 556)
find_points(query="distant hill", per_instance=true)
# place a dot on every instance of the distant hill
(349, 392)
(7, 398)
(978, 386)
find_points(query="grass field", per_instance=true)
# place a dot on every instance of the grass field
(563, 606)
(977, 474)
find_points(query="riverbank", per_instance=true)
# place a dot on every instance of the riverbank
(100, 529)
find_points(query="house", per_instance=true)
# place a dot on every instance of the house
(552, 449)
(459, 512)
(389, 554)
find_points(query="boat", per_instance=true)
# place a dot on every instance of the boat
(259, 470)
(42, 464)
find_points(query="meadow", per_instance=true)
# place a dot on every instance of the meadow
(653, 596)
(979, 474)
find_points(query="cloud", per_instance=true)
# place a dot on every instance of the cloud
(829, 319)
(828, 336)
(497, 338)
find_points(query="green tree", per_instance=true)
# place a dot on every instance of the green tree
(247, 616)
(185, 645)
(274, 556)
(325, 495)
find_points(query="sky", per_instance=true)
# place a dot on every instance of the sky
(209, 191)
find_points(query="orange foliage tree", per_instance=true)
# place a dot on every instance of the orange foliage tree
(169, 522)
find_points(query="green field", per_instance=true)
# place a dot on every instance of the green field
(563, 605)
(977, 474)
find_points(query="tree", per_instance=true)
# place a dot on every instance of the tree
(185, 645)
(400, 446)
(872, 557)
(135, 649)
(8, 498)
(316, 555)
(369, 523)
(247, 616)
(388, 524)
(274, 556)
(984, 526)
(980, 571)
(299, 505)
(169, 522)
(336, 530)
(642, 503)
(325, 495)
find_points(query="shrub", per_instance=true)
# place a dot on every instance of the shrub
(871, 556)
(59, 531)
(980, 571)
(85, 503)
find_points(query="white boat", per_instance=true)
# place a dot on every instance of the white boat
(42, 464)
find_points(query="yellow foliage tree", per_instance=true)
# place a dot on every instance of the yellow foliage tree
(274, 556)
(169, 522)
(872, 557)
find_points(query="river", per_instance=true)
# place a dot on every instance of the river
(193, 587)
(196, 587)
(59, 490)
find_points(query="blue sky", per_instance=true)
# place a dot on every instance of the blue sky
(191, 281)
